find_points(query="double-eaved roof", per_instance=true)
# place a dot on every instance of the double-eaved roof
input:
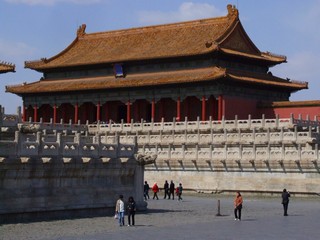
(224, 35)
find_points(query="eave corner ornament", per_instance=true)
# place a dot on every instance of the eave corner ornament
(232, 10)
(144, 159)
(81, 30)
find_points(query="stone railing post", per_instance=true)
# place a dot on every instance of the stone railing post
(291, 118)
(59, 142)
(310, 131)
(19, 114)
(236, 121)
(263, 121)
(198, 123)
(17, 141)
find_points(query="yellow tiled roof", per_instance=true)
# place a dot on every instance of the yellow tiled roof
(151, 79)
(145, 43)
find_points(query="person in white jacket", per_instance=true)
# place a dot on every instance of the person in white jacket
(120, 210)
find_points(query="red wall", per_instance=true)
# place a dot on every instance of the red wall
(312, 111)
(241, 107)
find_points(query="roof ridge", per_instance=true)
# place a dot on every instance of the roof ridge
(232, 13)
(159, 26)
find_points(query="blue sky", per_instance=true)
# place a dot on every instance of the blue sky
(33, 29)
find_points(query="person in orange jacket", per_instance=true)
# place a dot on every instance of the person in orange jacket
(155, 190)
(238, 206)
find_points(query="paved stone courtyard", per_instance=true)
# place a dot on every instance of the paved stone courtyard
(193, 218)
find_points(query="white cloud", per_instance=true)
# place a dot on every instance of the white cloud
(186, 11)
(52, 2)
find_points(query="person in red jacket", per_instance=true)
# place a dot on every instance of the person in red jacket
(155, 190)
(238, 206)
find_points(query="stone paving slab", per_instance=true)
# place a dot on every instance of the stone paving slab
(193, 218)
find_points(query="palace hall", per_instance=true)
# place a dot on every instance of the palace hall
(206, 69)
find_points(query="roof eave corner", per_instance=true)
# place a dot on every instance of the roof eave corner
(81, 31)
(232, 11)
(36, 64)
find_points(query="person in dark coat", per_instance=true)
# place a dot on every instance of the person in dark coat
(166, 189)
(171, 190)
(146, 190)
(131, 207)
(179, 191)
(285, 201)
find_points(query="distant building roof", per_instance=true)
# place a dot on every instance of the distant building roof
(6, 67)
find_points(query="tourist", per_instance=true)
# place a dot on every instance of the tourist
(155, 190)
(285, 201)
(171, 190)
(238, 206)
(179, 191)
(166, 189)
(131, 211)
(120, 210)
(146, 190)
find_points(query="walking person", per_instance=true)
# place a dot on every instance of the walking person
(171, 190)
(179, 191)
(146, 190)
(131, 211)
(155, 190)
(238, 206)
(285, 201)
(166, 189)
(120, 210)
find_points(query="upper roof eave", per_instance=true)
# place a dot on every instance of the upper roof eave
(265, 56)
(204, 31)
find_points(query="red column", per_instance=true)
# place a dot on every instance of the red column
(54, 114)
(76, 113)
(220, 107)
(153, 109)
(24, 113)
(178, 109)
(35, 113)
(203, 108)
(98, 111)
(128, 112)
